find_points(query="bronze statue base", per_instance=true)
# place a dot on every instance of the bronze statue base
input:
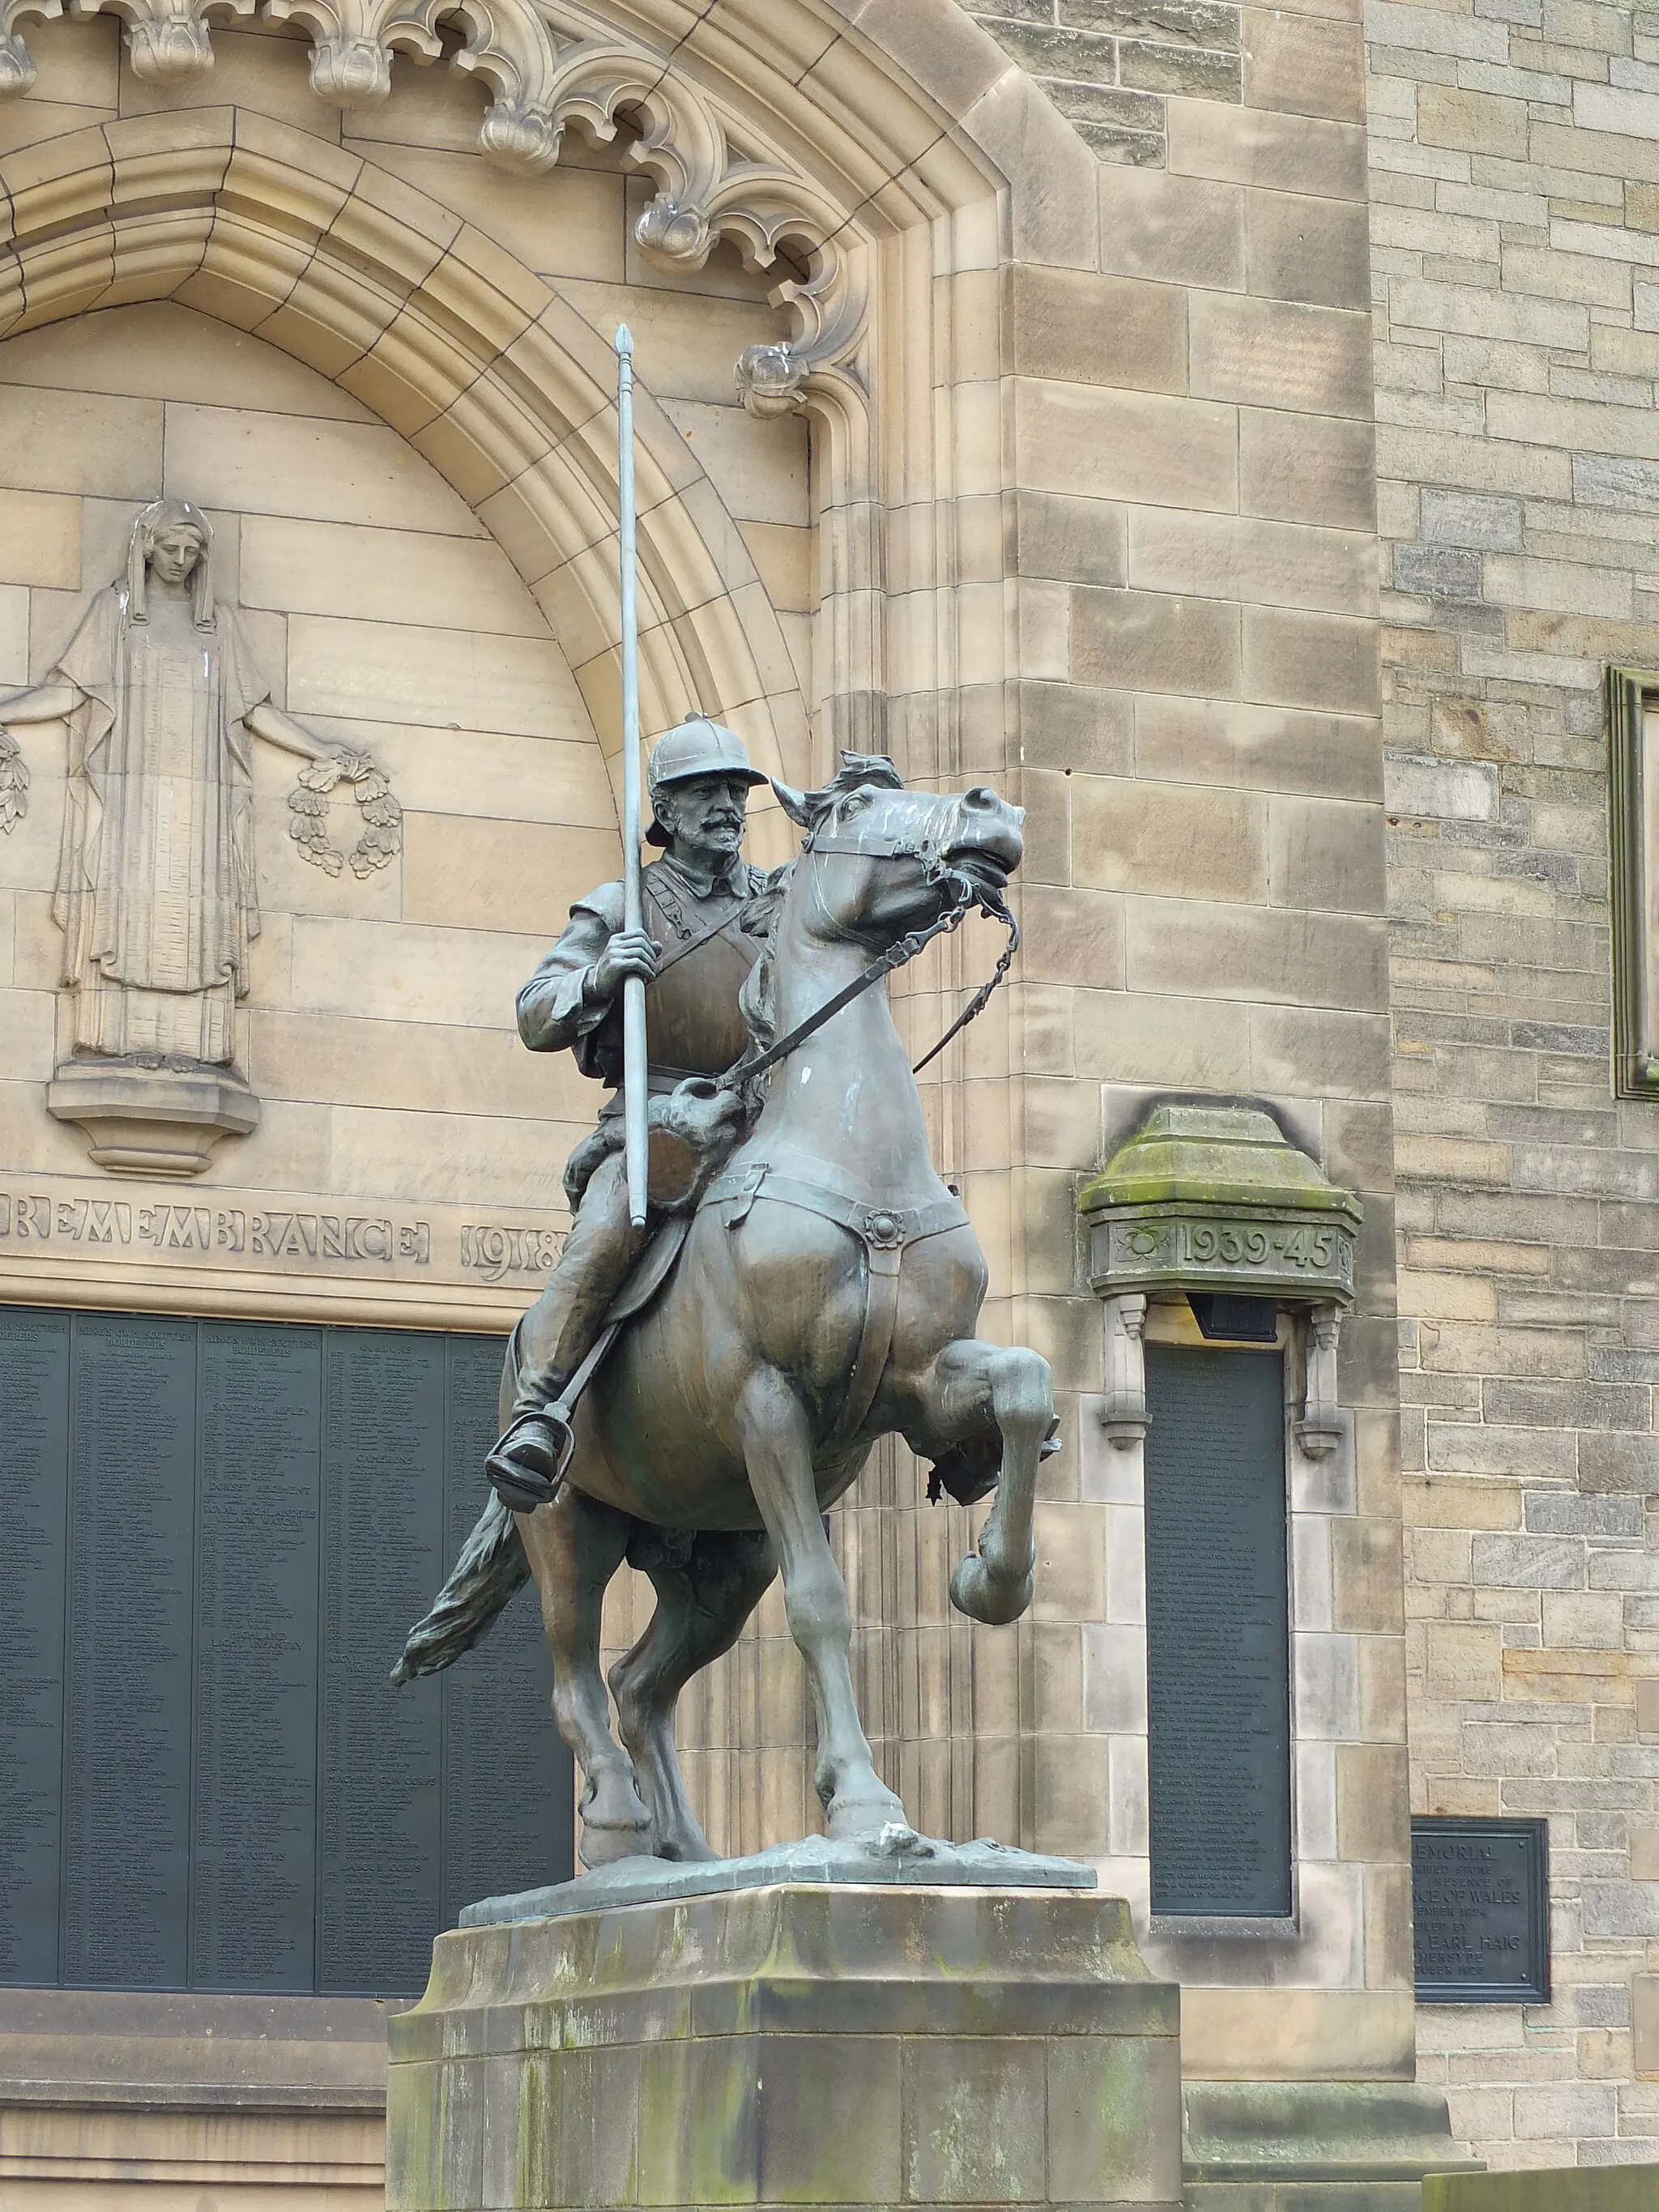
(799, 2045)
(896, 1857)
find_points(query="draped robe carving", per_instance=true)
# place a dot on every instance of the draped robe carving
(155, 888)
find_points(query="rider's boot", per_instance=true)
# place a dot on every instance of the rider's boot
(526, 1466)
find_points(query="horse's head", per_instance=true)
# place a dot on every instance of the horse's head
(886, 862)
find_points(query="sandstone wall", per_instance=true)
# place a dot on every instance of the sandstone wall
(1092, 518)
(379, 1028)
(1515, 184)
(1186, 519)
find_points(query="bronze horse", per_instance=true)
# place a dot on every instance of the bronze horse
(826, 1295)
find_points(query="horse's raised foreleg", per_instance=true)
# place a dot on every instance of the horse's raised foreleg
(777, 1445)
(994, 1582)
(575, 1545)
(704, 1598)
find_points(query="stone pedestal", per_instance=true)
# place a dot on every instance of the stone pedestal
(792, 2046)
(144, 1121)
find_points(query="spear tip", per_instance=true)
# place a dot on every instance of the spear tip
(624, 341)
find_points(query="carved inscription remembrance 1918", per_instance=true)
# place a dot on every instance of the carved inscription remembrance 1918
(1481, 1910)
(1218, 1633)
(212, 1536)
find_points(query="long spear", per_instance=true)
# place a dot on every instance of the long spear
(634, 1091)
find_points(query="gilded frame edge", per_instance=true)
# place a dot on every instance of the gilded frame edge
(1635, 1058)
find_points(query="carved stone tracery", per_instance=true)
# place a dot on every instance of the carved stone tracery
(548, 66)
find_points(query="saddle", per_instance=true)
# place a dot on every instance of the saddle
(967, 1470)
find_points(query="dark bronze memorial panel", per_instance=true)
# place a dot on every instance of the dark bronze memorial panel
(34, 1387)
(207, 1568)
(255, 1813)
(382, 1559)
(1480, 1909)
(1218, 1634)
(488, 1752)
(126, 1735)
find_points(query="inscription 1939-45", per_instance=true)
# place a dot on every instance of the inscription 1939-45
(1480, 1906)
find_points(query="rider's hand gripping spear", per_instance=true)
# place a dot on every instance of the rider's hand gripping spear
(635, 1088)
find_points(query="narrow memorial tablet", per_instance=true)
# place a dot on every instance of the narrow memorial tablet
(34, 1393)
(381, 1752)
(254, 1823)
(1218, 1633)
(1481, 1910)
(509, 1816)
(126, 1765)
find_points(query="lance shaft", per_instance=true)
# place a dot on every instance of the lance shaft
(635, 1090)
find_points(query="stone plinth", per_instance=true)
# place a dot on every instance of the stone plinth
(793, 2046)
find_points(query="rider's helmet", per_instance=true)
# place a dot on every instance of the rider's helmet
(697, 746)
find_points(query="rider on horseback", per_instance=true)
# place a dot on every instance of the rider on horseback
(694, 959)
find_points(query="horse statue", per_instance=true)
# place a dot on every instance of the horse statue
(825, 1296)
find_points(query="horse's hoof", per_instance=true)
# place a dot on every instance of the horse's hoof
(850, 1818)
(992, 1599)
(603, 1846)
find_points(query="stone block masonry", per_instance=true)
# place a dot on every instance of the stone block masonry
(1514, 183)
(1115, 68)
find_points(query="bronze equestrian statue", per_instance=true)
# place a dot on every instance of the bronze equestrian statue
(813, 1286)
(695, 959)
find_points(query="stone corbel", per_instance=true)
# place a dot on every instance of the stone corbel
(166, 40)
(1319, 1424)
(1123, 1408)
(827, 306)
(705, 194)
(352, 42)
(17, 69)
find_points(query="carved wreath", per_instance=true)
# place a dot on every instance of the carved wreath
(383, 834)
(13, 783)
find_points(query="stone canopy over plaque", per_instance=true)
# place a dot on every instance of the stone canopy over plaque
(1216, 1198)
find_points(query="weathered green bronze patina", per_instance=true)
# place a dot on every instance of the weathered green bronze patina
(1216, 1198)
(825, 1295)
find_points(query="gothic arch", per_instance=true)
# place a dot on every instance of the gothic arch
(502, 387)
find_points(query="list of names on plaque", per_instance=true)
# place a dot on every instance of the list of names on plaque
(1218, 1633)
(34, 1371)
(500, 1745)
(254, 1863)
(126, 1756)
(214, 1538)
(383, 1559)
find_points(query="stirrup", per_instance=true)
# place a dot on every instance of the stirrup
(527, 1466)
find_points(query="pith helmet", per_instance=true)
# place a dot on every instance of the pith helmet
(697, 746)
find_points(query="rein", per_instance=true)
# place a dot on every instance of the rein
(897, 954)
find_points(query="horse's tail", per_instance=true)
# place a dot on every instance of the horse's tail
(491, 1571)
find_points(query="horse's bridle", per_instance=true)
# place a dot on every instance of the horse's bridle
(967, 894)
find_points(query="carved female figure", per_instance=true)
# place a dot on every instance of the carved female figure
(156, 891)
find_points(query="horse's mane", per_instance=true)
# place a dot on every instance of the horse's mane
(809, 809)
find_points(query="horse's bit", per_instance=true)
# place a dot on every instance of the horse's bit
(898, 955)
